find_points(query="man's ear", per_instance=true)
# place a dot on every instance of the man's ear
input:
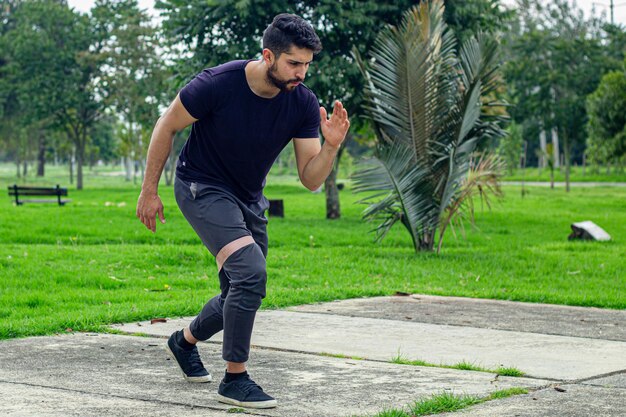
(268, 57)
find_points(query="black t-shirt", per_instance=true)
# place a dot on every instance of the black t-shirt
(238, 135)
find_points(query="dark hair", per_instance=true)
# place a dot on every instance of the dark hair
(288, 29)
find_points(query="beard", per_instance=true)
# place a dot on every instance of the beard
(282, 85)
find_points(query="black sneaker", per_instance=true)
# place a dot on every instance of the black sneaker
(188, 360)
(244, 392)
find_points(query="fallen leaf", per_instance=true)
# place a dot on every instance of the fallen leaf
(559, 389)
(158, 321)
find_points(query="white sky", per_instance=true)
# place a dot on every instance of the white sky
(586, 5)
(86, 5)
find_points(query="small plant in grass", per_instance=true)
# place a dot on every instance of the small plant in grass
(392, 413)
(504, 371)
(463, 365)
(443, 402)
(446, 402)
(401, 360)
(503, 393)
(339, 355)
(468, 366)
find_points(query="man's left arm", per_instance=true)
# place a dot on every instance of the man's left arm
(315, 161)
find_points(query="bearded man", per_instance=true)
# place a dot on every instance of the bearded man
(243, 113)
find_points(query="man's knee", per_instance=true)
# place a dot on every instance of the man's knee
(246, 269)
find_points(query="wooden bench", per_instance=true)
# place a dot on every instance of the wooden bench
(18, 191)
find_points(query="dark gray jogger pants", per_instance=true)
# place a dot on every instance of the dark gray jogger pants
(235, 233)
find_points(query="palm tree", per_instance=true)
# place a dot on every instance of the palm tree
(429, 105)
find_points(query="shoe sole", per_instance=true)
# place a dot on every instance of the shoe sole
(247, 404)
(195, 379)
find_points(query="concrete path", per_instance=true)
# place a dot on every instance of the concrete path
(580, 351)
(447, 330)
(588, 322)
(92, 372)
(570, 401)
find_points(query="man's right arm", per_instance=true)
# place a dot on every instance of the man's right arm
(175, 118)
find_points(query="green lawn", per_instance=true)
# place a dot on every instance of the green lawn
(92, 263)
(577, 174)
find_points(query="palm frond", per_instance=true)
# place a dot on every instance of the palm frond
(482, 182)
(394, 177)
(424, 100)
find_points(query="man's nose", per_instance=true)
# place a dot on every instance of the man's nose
(301, 73)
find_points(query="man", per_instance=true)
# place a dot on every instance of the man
(243, 114)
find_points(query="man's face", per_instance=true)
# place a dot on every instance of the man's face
(289, 70)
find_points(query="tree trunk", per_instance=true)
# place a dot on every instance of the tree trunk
(80, 159)
(142, 167)
(128, 166)
(167, 172)
(72, 167)
(333, 208)
(427, 241)
(542, 145)
(25, 166)
(555, 147)
(41, 157)
(566, 159)
(552, 178)
(170, 168)
(172, 159)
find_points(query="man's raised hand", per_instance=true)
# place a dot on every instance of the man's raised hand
(334, 129)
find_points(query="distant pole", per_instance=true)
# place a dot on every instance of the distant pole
(612, 7)
(525, 149)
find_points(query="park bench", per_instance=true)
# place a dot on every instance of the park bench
(18, 191)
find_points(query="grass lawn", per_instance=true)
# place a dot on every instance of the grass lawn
(590, 174)
(91, 262)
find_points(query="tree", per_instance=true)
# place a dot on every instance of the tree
(12, 114)
(104, 144)
(556, 59)
(466, 18)
(133, 76)
(607, 120)
(428, 106)
(218, 32)
(215, 32)
(55, 71)
(510, 147)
